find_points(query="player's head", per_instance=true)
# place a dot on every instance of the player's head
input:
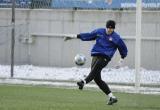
(110, 26)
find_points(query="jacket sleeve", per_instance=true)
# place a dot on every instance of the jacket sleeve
(88, 36)
(122, 48)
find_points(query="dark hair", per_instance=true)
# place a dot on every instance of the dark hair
(110, 24)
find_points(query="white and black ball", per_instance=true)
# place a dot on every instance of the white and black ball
(80, 59)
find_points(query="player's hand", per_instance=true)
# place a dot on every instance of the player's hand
(119, 64)
(69, 37)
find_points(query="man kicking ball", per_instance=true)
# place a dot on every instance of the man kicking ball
(107, 42)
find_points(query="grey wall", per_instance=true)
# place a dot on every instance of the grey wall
(47, 49)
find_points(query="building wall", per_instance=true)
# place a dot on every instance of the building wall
(45, 48)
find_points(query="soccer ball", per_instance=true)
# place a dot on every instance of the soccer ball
(79, 59)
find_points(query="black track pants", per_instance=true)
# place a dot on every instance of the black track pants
(98, 63)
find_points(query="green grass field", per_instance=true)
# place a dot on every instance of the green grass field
(18, 97)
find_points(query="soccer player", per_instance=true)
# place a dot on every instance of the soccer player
(107, 42)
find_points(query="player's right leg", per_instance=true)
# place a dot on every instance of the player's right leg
(90, 77)
(81, 84)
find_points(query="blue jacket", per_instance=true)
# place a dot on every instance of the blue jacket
(106, 45)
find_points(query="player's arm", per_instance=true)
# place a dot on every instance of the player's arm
(87, 36)
(123, 52)
(82, 36)
(122, 48)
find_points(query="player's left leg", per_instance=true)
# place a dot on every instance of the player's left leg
(104, 87)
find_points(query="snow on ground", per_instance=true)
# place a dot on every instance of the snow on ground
(122, 75)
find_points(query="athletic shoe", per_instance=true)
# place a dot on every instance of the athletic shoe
(112, 101)
(80, 84)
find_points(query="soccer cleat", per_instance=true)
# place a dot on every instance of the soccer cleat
(80, 84)
(112, 101)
